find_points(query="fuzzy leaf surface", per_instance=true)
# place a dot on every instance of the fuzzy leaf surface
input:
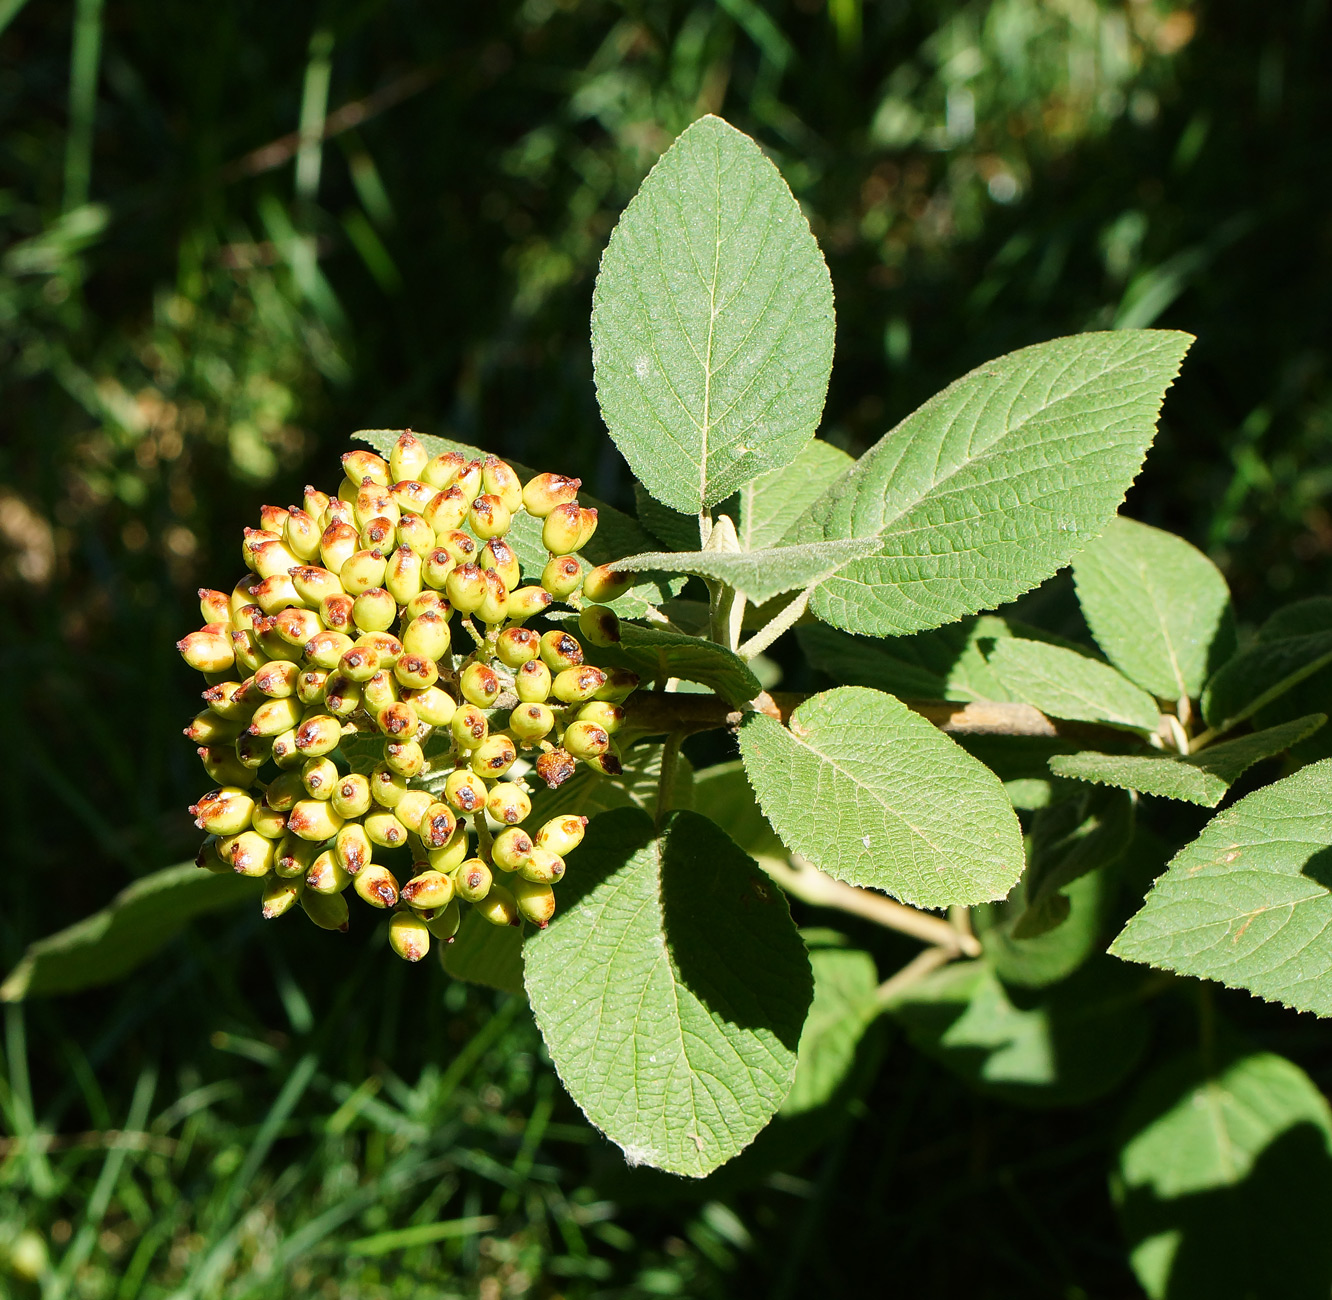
(995, 483)
(1249, 902)
(712, 322)
(1224, 1180)
(771, 503)
(655, 653)
(1158, 607)
(671, 991)
(481, 953)
(134, 925)
(871, 793)
(1065, 684)
(1201, 778)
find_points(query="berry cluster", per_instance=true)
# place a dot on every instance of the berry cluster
(341, 631)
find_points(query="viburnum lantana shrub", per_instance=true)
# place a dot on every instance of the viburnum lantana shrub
(458, 690)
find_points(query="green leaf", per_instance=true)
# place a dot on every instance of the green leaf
(1259, 671)
(671, 990)
(486, 954)
(587, 793)
(770, 504)
(1065, 684)
(1298, 618)
(871, 793)
(761, 575)
(1313, 694)
(134, 925)
(1074, 1043)
(1158, 608)
(655, 655)
(1201, 778)
(1249, 902)
(617, 533)
(712, 322)
(995, 483)
(844, 1005)
(1224, 1181)
(723, 794)
(676, 531)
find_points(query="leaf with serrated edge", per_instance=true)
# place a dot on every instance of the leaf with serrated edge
(671, 990)
(1158, 607)
(655, 654)
(1249, 902)
(1201, 778)
(771, 503)
(617, 533)
(1065, 684)
(134, 925)
(1224, 1181)
(712, 322)
(871, 793)
(995, 483)
(1241, 680)
(761, 575)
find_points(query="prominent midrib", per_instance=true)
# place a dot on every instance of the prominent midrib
(706, 425)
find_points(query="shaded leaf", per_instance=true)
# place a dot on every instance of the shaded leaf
(486, 954)
(655, 655)
(1258, 670)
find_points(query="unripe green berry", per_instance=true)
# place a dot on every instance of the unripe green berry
(479, 684)
(249, 853)
(562, 834)
(253, 751)
(315, 820)
(285, 752)
(454, 852)
(247, 650)
(436, 826)
(284, 791)
(348, 489)
(376, 885)
(418, 605)
(208, 729)
(575, 685)
(511, 848)
(374, 501)
(415, 534)
(469, 479)
(276, 681)
(386, 830)
(273, 717)
(398, 720)
(560, 651)
(379, 533)
(469, 727)
(272, 559)
(274, 594)
(444, 925)
(499, 907)
(351, 795)
(562, 576)
(436, 567)
(336, 613)
(320, 778)
(215, 606)
(607, 764)
(543, 866)
(279, 897)
(294, 856)
(224, 811)
(489, 517)
(544, 492)
(508, 803)
(536, 902)
(620, 684)
(337, 544)
(415, 672)
(207, 652)
(499, 480)
(310, 685)
(609, 717)
(466, 588)
(412, 808)
(388, 646)
(408, 457)
(327, 911)
(342, 696)
(427, 635)
(318, 735)
(408, 936)
(374, 610)
(527, 602)
(223, 767)
(465, 792)
(460, 546)
(563, 529)
(327, 875)
(516, 646)
(447, 510)
(352, 847)
(494, 609)
(403, 578)
(532, 682)
(240, 595)
(359, 662)
(268, 822)
(235, 700)
(494, 756)
(272, 519)
(313, 584)
(428, 891)
(443, 470)
(314, 502)
(363, 572)
(386, 786)
(434, 706)
(379, 691)
(588, 521)
(472, 880)
(360, 465)
(209, 859)
(599, 625)
(603, 583)
(405, 757)
(532, 722)
(301, 534)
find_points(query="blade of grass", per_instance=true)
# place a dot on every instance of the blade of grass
(423, 1234)
(85, 57)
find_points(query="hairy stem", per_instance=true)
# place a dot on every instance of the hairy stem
(916, 969)
(670, 766)
(483, 838)
(767, 634)
(1260, 702)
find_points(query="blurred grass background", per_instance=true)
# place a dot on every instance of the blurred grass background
(230, 235)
